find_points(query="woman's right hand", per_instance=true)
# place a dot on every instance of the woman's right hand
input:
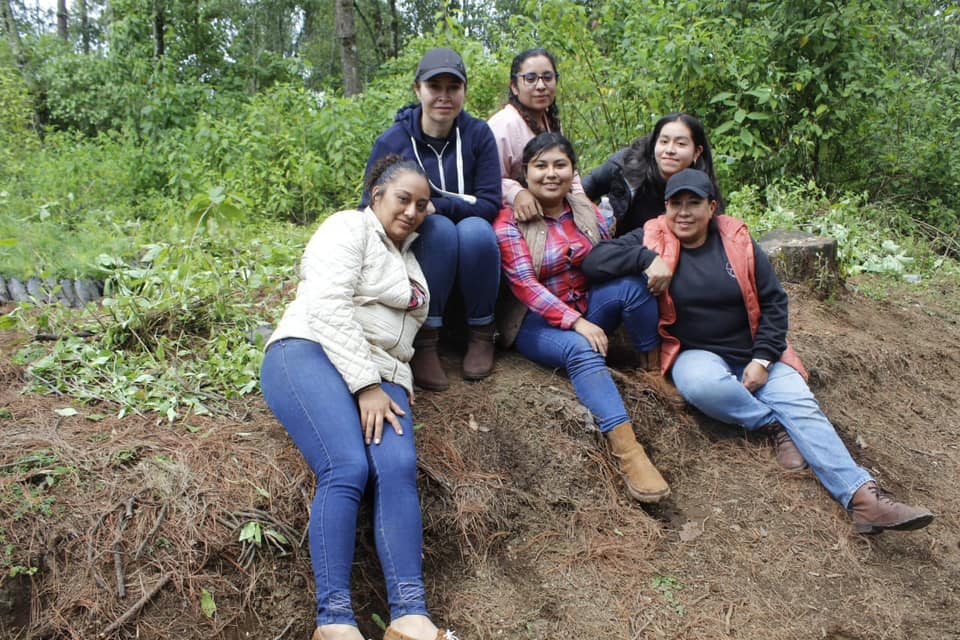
(658, 275)
(375, 407)
(596, 336)
(526, 207)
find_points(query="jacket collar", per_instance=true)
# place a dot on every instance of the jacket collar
(374, 223)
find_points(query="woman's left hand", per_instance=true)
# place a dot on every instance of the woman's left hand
(754, 376)
(659, 274)
(375, 407)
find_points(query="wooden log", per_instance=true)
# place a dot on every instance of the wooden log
(801, 257)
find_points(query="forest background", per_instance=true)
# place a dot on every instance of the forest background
(180, 151)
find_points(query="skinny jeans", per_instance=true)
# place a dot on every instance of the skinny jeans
(623, 300)
(311, 400)
(713, 385)
(463, 254)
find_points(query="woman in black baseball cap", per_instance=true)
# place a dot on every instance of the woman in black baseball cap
(457, 248)
(723, 320)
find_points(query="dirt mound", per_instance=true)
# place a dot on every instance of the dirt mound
(528, 531)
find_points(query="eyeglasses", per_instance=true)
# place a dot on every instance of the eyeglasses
(531, 79)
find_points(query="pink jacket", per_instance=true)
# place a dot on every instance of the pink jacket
(512, 135)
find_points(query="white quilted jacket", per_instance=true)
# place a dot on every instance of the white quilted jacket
(353, 297)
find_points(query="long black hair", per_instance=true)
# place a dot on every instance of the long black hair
(640, 166)
(528, 115)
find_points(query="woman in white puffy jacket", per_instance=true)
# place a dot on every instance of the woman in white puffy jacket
(337, 376)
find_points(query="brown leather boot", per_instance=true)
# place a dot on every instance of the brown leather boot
(652, 375)
(644, 482)
(478, 362)
(874, 511)
(427, 370)
(788, 455)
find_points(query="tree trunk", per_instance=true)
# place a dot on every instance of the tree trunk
(84, 26)
(347, 37)
(395, 28)
(62, 31)
(159, 25)
(10, 27)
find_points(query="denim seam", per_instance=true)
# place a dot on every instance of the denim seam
(329, 619)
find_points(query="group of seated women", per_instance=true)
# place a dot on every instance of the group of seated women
(452, 203)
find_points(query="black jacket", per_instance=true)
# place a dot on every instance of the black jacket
(631, 207)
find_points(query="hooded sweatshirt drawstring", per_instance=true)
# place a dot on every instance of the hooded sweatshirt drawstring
(442, 189)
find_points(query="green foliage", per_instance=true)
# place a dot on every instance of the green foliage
(172, 336)
(18, 137)
(161, 174)
(291, 152)
(669, 588)
(871, 237)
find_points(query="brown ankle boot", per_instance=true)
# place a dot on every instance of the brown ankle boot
(651, 373)
(427, 370)
(875, 511)
(644, 482)
(786, 450)
(478, 362)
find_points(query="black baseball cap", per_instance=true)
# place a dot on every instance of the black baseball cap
(439, 61)
(692, 180)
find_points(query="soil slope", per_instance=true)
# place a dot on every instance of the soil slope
(129, 527)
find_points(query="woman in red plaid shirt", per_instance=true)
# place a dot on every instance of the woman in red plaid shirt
(557, 319)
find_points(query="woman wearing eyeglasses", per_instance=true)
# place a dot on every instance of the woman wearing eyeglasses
(531, 109)
(457, 246)
(634, 178)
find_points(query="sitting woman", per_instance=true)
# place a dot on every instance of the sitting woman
(556, 319)
(634, 178)
(457, 247)
(336, 375)
(531, 109)
(724, 327)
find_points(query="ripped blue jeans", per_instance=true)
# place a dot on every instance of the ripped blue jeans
(310, 399)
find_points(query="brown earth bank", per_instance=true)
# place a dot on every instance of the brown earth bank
(127, 528)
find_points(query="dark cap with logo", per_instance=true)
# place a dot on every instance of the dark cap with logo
(439, 61)
(692, 180)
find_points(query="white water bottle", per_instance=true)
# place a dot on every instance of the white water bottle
(606, 210)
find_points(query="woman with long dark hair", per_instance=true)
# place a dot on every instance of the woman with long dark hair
(531, 109)
(634, 178)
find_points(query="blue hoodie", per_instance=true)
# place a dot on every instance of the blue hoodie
(476, 152)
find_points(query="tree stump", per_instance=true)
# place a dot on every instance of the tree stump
(801, 257)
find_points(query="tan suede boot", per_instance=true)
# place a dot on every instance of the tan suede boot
(478, 361)
(652, 375)
(427, 369)
(393, 634)
(874, 511)
(644, 482)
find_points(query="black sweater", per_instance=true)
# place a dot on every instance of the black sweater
(711, 314)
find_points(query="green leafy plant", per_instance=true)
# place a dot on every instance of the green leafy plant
(668, 588)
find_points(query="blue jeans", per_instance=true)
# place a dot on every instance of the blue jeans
(465, 253)
(625, 300)
(309, 397)
(713, 386)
